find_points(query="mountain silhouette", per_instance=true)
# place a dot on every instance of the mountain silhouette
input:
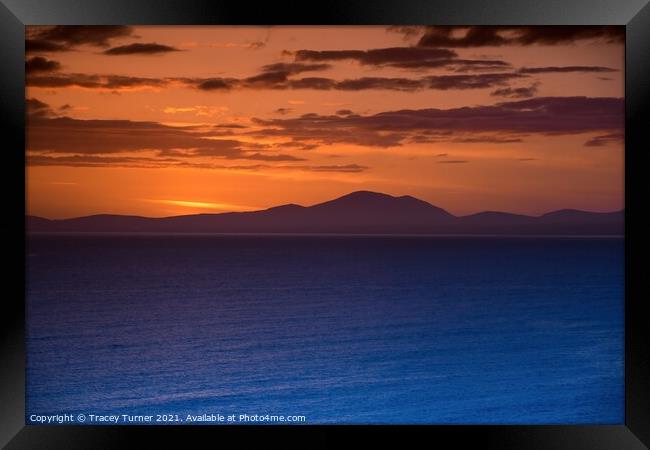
(361, 212)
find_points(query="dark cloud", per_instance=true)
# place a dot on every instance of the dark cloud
(566, 69)
(266, 80)
(442, 82)
(605, 139)
(278, 76)
(482, 36)
(92, 81)
(101, 142)
(344, 112)
(480, 81)
(553, 35)
(119, 82)
(465, 65)
(404, 57)
(275, 76)
(36, 104)
(283, 111)
(294, 68)
(503, 122)
(68, 135)
(393, 84)
(457, 65)
(280, 81)
(272, 76)
(38, 64)
(474, 37)
(36, 108)
(67, 37)
(151, 48)
(317, 83)
(517, 92)
(214, 84)
(527, 159)
(39, 45)
(379, 56)
(453, 161)
(538, 115)
(325, 130)
(98, 35)
(63, 141)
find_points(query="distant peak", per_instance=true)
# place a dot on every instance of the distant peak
(380, 204)
(288, 206)
(366, 194)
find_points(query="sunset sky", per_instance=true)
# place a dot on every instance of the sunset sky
(160, 121)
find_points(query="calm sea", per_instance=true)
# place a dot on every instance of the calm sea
(336, 329)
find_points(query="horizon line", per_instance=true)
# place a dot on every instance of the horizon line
(622, 210)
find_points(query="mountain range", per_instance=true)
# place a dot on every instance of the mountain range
(361, 212)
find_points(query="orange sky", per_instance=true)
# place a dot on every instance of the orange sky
(211, 119)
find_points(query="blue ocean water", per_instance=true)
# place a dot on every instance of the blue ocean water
(381, 330)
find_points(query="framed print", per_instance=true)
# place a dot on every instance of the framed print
(280, 225)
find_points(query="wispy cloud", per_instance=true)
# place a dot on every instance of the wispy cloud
(605, 139)
(273, 81)
(567, 69)
(39, 64)
(503, 122)
(496, 36)
(63, 141)
(517, 92)
(405, 58)
(62, 38)
(149, 48)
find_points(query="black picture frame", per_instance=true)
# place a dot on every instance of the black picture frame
(634, 14)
